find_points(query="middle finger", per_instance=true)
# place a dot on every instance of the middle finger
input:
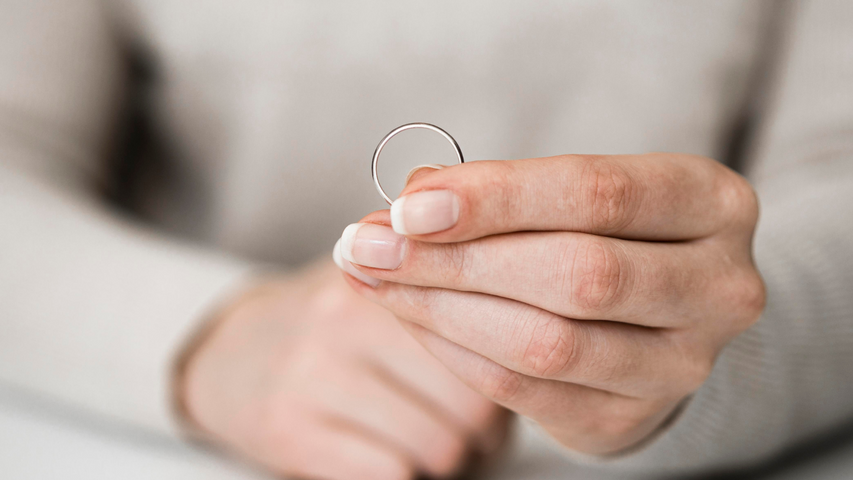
(574, 275)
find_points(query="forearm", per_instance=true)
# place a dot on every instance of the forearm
(97, 308)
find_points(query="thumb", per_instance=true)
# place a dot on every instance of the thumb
(422, 170)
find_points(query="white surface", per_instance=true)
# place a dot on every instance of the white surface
(39, 441)
(37, 444)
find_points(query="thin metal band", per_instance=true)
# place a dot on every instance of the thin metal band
(374, 166)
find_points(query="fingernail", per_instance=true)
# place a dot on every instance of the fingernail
(417, 169)
(425, 212)
(372, 245)
(348, 268)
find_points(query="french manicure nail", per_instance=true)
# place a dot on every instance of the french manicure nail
(348, 268)
(372, 245)
(425, 212)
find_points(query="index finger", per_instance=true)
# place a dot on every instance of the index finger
(645, 197)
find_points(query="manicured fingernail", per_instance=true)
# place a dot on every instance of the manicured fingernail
(425, 212)
(417, 169)
(372, 245)
(348, 268)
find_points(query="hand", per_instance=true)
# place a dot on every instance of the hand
(310, 380)
(591, 294)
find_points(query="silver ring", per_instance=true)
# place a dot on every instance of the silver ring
(374, 166)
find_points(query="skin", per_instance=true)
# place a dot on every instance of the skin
(591, 294)
(307, 379)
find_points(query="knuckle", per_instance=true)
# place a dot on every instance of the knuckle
(503, 181)
(550, 351)
(618, 426)
(277, 421)
(379, 465)
(597, 279)
(694, 370)
(737, 198)
(618, 419)
(306, 360)
(455, 263)
(499, 383)
(447, 457)
(695, 360)
(414, 302)
(750, 298)
(609, 196)
(498, 177)
(699, 372)
(396, 469)
(483, 416)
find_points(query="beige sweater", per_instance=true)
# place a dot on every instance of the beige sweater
(260, 117)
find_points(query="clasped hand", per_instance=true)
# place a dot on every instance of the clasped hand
(591, 294)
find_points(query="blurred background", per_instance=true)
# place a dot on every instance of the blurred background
(153, 151)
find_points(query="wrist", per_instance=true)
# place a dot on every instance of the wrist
(185, 387)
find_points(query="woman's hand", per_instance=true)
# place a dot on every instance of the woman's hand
(312, 381)
(591, 294)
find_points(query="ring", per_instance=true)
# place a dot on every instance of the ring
(374, 166)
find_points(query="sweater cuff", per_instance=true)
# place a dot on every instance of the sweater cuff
(98, 306)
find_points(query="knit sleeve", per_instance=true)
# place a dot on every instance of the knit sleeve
(93, 306)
